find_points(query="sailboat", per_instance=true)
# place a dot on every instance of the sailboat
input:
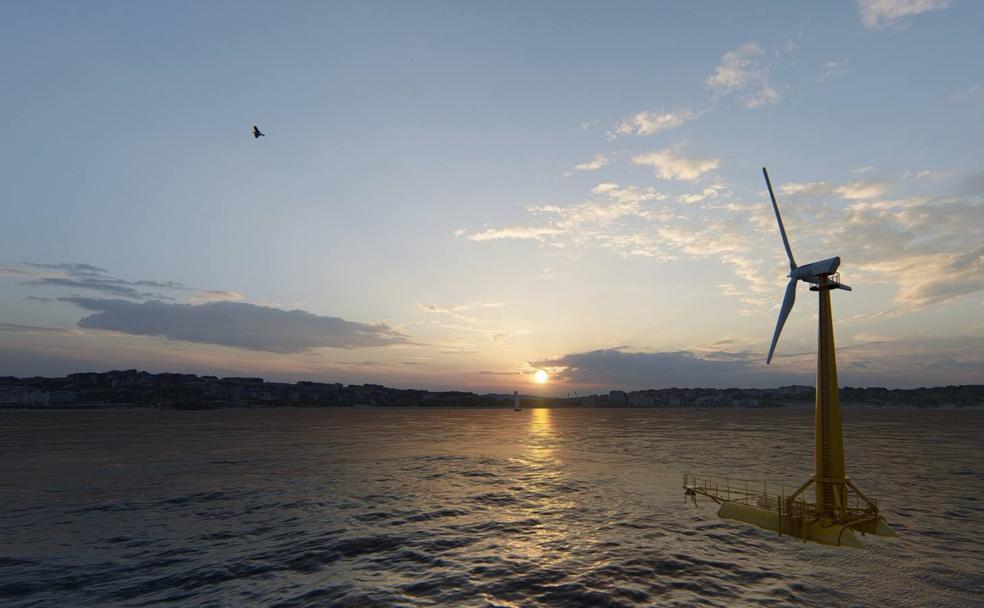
(516, 405)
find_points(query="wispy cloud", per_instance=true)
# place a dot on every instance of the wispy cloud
(92, 278)
(216, 295)
(667, 164)
(616, 218)
(457, 311)
(856, 190)
(928, 248)
(30, 329)
(741, 72)
(595, 163)
(970, 93)
(932, 174)
(536, 233)
(709, 192)
(879, 14)
(832, 69)
(599, 161)
(9, 271)
(932, 278)
(649, 122)
(235, 324)
(71, 268)
(870, 337)
(474, 319)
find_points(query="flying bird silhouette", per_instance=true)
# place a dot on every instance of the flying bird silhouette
(256, 133)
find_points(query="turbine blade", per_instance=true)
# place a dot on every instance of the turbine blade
(782, 229)
(787, 305)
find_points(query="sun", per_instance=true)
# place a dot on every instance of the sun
(541, 377)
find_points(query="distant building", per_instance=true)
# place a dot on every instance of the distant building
(642, 398)
(795, 390)
(19, 396)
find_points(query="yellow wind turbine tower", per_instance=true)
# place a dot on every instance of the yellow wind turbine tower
(836, 509)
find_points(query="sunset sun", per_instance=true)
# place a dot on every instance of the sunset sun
(541, 377)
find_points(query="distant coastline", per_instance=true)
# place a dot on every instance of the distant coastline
(143, 390)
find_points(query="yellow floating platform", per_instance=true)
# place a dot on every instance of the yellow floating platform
(793, 515)
(825, 533)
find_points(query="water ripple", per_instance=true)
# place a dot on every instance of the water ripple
(301, 507)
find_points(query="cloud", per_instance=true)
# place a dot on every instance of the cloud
(967, 94)
(71, 268)
(105, 286)
(973, 184)
(216, 295)
(863, 169)
(874, 361)
(933, 278)
(622, 220)
(16, 272)
(599, 161)
(472, 318)
(932, 174)
(667, 164)
(456, 311)
(647, 123)
(927, 248)
(862, 189)
(856, 190)
(235, 324)
(31, 329)
(621, 367)
(590, 221)
(617, 218)
(92, 278)
(870, 337)
(833, 69)
(513, 232)
(741, 72)
(709, 192)
(879, 14)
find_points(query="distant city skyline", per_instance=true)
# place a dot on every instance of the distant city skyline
(454, 196)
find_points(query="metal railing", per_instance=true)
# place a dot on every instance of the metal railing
(771, 495)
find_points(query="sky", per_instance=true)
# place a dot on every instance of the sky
(454, 195)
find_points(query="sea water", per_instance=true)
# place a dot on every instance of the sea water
(470, 507)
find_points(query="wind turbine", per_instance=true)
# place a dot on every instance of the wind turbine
(817, 273)
(838, 508)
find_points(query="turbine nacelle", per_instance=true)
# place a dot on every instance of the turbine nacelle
(811, 272)
(817, 273)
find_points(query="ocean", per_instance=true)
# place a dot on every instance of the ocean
(470, 507)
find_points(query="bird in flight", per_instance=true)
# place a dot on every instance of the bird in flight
(256, 133)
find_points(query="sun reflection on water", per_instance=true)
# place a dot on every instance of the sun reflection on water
(542, 438)
(546, 499)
